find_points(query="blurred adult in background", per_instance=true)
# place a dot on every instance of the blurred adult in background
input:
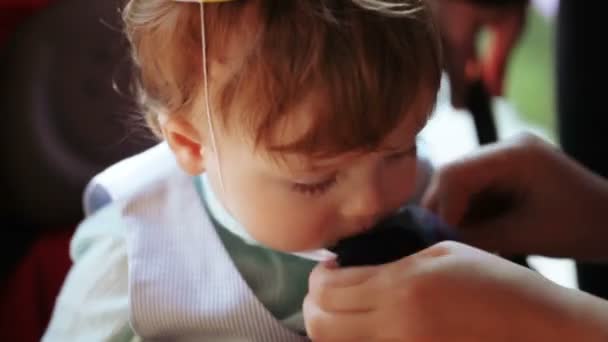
(581, 73)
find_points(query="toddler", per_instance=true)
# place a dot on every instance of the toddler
(287, 125)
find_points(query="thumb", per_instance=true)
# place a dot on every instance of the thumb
(476, 223)
(475, 188)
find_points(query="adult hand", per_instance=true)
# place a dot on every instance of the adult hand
(448, 292)
(523, 196)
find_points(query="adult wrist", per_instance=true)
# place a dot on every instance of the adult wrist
(586, 316)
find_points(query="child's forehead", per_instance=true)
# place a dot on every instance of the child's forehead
(301, 120)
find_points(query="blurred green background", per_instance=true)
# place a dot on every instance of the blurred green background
(530, 79)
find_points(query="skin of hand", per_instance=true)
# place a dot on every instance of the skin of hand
(448, 292)
(523, 196)
(460, 23)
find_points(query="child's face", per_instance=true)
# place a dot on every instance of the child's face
(305, 204)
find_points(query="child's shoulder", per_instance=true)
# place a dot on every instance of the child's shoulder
(114, 194)
(129, 177)
(106, 224)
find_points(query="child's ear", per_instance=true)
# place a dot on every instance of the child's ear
(186, 142)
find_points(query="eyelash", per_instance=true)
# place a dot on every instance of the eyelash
(316, 189)
(320, 188)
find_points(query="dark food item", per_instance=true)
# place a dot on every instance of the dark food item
(410, 230)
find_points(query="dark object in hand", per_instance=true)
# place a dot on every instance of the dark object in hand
(410, 230)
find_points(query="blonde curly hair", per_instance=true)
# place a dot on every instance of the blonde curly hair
(370, 61)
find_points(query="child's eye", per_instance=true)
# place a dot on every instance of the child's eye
(402, 154)
(315, 189)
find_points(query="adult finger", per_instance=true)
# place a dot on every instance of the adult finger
(336, 326)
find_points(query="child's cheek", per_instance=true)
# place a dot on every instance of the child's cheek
(281, 225)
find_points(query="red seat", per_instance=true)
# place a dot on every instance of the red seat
(29, 294)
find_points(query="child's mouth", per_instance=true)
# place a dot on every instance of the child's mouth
(407, 232)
